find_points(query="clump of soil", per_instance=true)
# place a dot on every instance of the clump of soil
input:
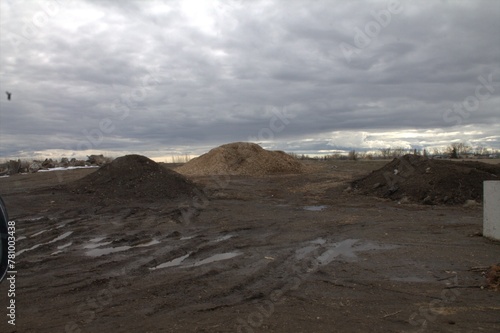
(241, 158)
(417, 179)
(493, 277)
(134, 176)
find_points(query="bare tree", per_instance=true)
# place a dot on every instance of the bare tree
(480, 150)
(398, 151)
(353, 156)
(459, 149)
(386, 152)
(454, 152)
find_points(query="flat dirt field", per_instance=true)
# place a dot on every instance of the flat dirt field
(285, 253)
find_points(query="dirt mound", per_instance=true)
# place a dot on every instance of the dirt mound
(421, 180)
(241, 158)
(134, 176)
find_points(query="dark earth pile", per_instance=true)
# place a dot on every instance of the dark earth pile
(134, 176)
(421, 180)
(241, 158)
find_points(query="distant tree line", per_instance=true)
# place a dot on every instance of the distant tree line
(455, 150)
(179, 159)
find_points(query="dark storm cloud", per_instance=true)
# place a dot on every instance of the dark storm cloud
(145, 75)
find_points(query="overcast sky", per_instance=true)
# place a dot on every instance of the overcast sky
(168, 77)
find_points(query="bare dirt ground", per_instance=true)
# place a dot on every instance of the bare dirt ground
(288, 253)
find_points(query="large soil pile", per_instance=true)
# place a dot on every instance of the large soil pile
(134, 176)
(421, 180)
(241, 158)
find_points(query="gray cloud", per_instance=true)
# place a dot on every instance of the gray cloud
(162, 76)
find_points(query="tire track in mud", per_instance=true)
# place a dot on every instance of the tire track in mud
(253, 277)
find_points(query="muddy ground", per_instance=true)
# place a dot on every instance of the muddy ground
(292, 253)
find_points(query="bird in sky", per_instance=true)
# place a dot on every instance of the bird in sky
(8, 95)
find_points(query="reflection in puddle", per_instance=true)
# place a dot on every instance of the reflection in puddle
(96, 245)
(66, 234)
(346, 249)
(26, 250)
(107, 250)
(217, 257)
(39, 233)
(178, 261)
(60, 247)
(319, 241)
(95, 251)
(97, 239)
(222, 238)
(303, 252)
(315, 208)
(152, 242)
(171, 263)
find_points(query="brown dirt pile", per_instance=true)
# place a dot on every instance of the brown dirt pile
(417, 179)
(134, 176)
(241, 158)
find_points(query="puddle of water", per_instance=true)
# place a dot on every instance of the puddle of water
(36, 219)
(66, 234)
(315, 208)
(217, 257)
(96, 245)
(346, 249)
(172, 263)
(96, 239)
(303, 252)
(26, 250)
(60, 247)
(319, 241)
(39, 233)
(95, 251)
(152, 242)
(107, 250)
(222, 238)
